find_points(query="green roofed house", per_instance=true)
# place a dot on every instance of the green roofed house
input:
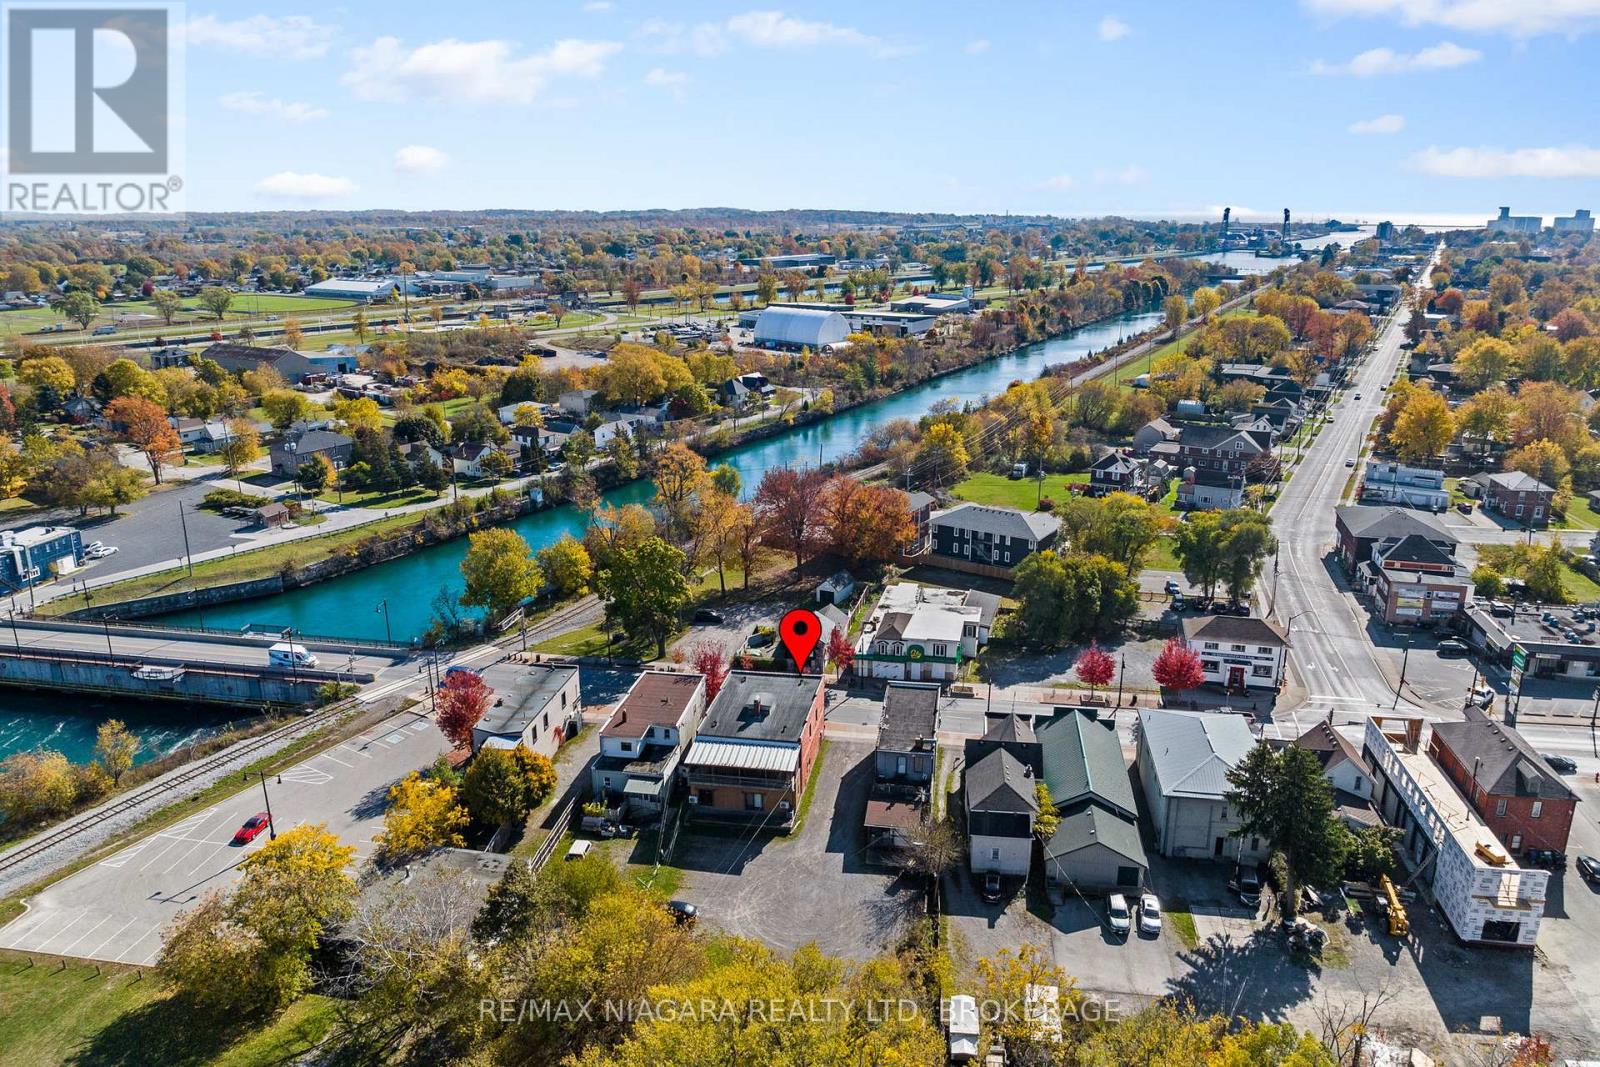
(1096, 847)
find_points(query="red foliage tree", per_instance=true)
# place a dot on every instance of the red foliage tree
(1095, 667)
(841, 653)
(861, 523)
(1177, 667)
(712, 661)
(786, 506)
(462, 700)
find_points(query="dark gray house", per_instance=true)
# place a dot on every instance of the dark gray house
(1001, 786)
(906, 741)
(994, 537)
(288, 454)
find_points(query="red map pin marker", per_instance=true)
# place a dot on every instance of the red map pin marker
(800, 630)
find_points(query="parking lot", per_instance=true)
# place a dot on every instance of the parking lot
(116, 909)
(814, 885)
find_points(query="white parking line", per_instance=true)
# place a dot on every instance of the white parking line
(127, 952)
(82, 913)
(395, 738)
(66, 950)
(355, 751)
(335, 759)
(94, 952)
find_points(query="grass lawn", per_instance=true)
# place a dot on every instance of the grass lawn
(1580, 515)
(242, 567)
(1577, 586)
(591, 641)
(51, 1015)
(1160, 557)
(377, 498)
(1021, 493)
(1183, 924)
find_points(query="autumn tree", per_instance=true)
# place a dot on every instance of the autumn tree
(864, 523)
(1424, 427)
(711, 660)
(285, 407)
(786, 504)
(1094, 667)
(1177, 667)
(242, 446)
(144, 425)
(566, 566)
(941, 458)
(424, 814)
(167, 304)
(644, 589)
(1484, 362)
(500, 572)
(502, 787)
(841, 653)
(462, 700)
(115, 749)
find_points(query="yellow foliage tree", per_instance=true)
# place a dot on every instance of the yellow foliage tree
(423, 815)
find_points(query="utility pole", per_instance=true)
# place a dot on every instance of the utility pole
(1404, 658)
(383, 606)
(187, 555)
(272, 828)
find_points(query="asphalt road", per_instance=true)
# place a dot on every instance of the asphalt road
(116, 909)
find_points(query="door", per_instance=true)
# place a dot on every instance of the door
(1235, 677)
(1216, 850)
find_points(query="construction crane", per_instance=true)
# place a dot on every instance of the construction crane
(1399, 922)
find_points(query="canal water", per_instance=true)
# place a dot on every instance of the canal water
(350, 606)
(66, 722)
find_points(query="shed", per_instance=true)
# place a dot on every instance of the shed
(836, 589)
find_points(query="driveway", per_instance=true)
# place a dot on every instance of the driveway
(813, 886)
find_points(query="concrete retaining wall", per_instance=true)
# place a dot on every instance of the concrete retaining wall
(194, 686)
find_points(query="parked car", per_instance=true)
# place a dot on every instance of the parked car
(1171, 588)
(1465, 507)
(683, 912)
(1149, 914)
(1589, 868)
(1117, 914)
(1179, 603)
(579, 849)
(1350, 463)
(991, 887)
(459, 672)
(1247, 883)
(759, 640)
(1563, 764)
(99, 551)
(706, 615)
(1482, 695)
(252, 828)
(1451, 647)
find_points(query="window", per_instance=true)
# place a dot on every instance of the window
(1538, 511)
(1236, 648)
(1516, 842)
(1264, 650)
(563, 698)
(1210, 646)
(1538, 809)
(1519, 511)
(546, 722)
(1361, 783)
(1500, 809)
(994, 855)
(1255, 844)
(754, 801)
(1261, 672)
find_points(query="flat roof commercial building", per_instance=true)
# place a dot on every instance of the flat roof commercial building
(752, 755)
(539, 711)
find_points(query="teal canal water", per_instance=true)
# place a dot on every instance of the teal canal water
(349, 606)
(66, 722)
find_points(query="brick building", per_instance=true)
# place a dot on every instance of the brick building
(1514, 495)
(1513, 790)
(753, 753)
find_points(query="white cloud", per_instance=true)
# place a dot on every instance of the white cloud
(673, 81)
(1516, 18)
(282, 37)
(595, 7)
(1571, 161)
(978, 47)
(1381, 124)
(1375, 61)
(1113, 29)
(293, 185)
(1058, 182)
(255, 102)
(479, 72)
(762, 29)
(1132, 174)
(419, 159)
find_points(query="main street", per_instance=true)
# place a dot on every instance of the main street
(1331, 652)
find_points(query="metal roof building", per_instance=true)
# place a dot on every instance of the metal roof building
(784, 327)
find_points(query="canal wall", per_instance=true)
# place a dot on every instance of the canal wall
(99, 672)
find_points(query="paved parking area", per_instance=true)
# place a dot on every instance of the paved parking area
(116, 909)
(813, 886)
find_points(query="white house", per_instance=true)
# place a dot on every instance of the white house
(1237, 653)
(921, 633)
(1184, 759)
(642, 742)
(539, 711)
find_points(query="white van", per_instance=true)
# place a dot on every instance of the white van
(283, 654)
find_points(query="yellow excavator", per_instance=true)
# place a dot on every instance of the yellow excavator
(1399, 924)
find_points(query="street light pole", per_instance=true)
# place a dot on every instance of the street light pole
(272, 828)
(187, 555)
(1405, 657)
(383, 606)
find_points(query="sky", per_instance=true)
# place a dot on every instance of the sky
(1415, 110)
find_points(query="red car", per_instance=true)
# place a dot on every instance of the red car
(251, 829)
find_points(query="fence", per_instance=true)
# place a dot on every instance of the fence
(558, 830)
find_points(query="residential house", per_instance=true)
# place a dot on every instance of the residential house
(466, 458)
(1184, 759)
(1412, 580)
(1515, 792)
(418, 451)
(829, 619)
(507, 413)
(1000, 789)
(287, 455)
(38, 553)
(1397, 483)
(200, 435)
(1152, 433)
(1514, 495)
(579, 402)
(643, 741)
(1235, 652)
(1456, 859)
(1096, 847)
(1360, 527)
(237, 358)
(1345, 769)
(746, 390)
(81, 409)
(1120, 471)
(752, 756)
(1214, 463)
(923, 633)
(991, 536)
(539, 711)
(903, 765)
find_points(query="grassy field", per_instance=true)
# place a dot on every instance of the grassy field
(115, 1016)
(1578, 587)
(245, 306)
(243, 567)
(377, 498)
(1022, 493)
(1580, 515)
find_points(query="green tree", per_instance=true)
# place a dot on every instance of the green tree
(115, 749)
(496, 791)
(1198, 547)
(1282, 796)
(314, 474)
(217, 300)
(285, 407)
(725, 479)
(500, 572)
(77, 306)
(1062, 598)
(242, 447)
(1246, 543)
(566, 566)
(167, 304)
(644, 589)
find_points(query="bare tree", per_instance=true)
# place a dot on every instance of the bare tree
(1346, 1027)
